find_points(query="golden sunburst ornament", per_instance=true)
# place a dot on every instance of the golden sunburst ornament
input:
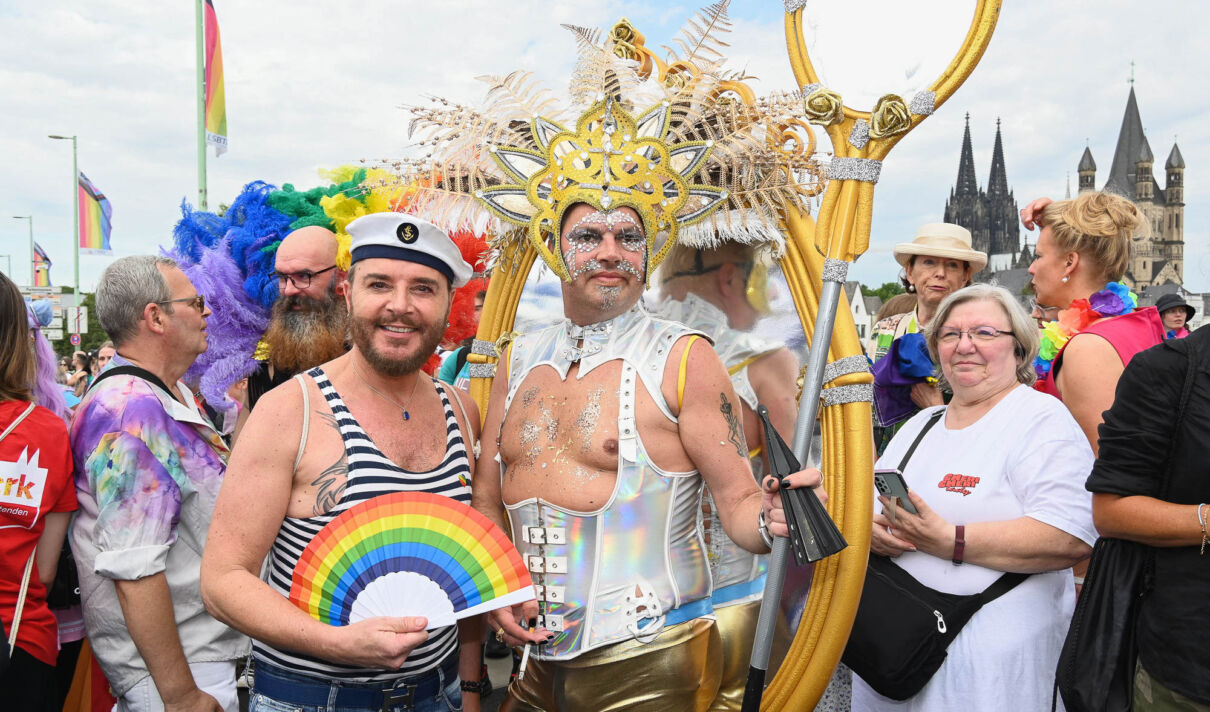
(610, 160)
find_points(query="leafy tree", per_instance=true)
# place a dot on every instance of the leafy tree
(886, 291)
(90, 341)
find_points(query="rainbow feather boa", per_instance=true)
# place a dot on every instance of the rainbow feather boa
(1114, 300)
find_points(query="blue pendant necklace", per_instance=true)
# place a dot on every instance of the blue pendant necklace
(397, 404)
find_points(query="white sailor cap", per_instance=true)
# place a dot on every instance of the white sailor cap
(398, 236)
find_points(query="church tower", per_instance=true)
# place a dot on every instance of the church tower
(1158, 251)
(1088, 171)
(1004, 232)
(967, 205)
(1174, 210)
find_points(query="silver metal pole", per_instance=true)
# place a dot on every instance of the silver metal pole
(834, 273)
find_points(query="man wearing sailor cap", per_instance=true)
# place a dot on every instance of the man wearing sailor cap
(365, 424)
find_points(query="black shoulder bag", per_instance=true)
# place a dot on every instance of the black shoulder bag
(903, 627)
(1096, 665)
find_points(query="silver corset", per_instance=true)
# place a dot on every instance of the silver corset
(639, 563)
(736, 571)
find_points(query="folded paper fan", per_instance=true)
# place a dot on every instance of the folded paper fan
(408, 554)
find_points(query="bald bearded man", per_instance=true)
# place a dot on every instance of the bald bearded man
(309, 321)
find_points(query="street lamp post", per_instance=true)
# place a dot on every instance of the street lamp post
(32, 266)
(75, 201)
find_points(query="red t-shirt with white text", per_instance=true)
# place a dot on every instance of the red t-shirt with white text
(35, 480)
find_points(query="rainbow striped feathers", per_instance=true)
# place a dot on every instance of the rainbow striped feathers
(409, 554)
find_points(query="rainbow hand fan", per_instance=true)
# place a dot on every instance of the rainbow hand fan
(409, 554)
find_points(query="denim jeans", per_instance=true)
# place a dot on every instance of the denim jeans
(447, 699)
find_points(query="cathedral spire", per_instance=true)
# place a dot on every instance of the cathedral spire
(967, 185)
(997, 182)
(1122, 173)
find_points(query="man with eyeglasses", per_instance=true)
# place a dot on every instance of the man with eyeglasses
(148, 465)
(309, 321)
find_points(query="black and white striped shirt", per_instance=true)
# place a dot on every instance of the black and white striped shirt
(370, 474)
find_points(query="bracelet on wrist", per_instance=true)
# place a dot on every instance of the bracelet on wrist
(483, 687)
(959, 544)
(1201, 519)
(762, 528)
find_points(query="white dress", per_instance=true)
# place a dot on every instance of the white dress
(1025, 457)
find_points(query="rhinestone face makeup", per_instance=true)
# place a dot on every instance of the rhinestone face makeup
(609, 296)
(609, 219)
(582, 238)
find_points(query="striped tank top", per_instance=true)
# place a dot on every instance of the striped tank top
(370, 474)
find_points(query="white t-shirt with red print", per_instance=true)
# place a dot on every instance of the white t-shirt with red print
(1025, 457)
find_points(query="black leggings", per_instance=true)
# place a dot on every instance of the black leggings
(28, 684)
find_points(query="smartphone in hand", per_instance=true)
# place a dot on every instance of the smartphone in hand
(890, 483)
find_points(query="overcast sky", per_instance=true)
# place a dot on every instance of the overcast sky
(314, 85)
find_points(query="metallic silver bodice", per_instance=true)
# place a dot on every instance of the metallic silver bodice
(735, 570)
(625, 570)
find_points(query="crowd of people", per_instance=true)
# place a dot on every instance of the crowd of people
(171, 526)
(621, 449)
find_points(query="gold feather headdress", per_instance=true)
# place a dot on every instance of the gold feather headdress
(674, 145)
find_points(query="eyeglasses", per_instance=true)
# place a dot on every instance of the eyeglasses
(197, 301)
(1045, 311)
(950, 335)
(300, 280)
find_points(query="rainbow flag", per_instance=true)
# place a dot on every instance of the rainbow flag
(216, 97)
(41, 267)
(95, 212)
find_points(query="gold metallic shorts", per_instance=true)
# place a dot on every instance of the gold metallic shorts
(677, 672)
(736, 629)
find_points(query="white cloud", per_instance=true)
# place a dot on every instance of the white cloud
(317, 84)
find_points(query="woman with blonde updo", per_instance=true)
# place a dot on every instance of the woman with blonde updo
(1090, 330)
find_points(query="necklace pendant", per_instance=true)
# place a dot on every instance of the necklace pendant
(407, 415)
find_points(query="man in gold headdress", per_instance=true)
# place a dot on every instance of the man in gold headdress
(602, 429)
(603, 451)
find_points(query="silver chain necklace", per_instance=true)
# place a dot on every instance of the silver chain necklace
(380, 394)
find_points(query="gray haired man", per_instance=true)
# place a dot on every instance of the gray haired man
(148, 465)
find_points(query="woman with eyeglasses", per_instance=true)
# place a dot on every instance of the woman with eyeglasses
(936, 263)
(37, 498)
(1090, 326)
(997, 484)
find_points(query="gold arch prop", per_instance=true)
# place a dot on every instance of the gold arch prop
(842, 233)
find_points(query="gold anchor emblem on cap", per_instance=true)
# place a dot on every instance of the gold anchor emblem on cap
(407, 232)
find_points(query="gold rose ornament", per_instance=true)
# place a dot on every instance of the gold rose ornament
(889, 117)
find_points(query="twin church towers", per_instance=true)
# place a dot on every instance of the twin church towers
(992, 215)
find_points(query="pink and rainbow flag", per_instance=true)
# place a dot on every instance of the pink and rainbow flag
(41, 267)
(216, 96)
(95, 212)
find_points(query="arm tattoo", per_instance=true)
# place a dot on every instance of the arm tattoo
(735, 430)
(331, 482)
